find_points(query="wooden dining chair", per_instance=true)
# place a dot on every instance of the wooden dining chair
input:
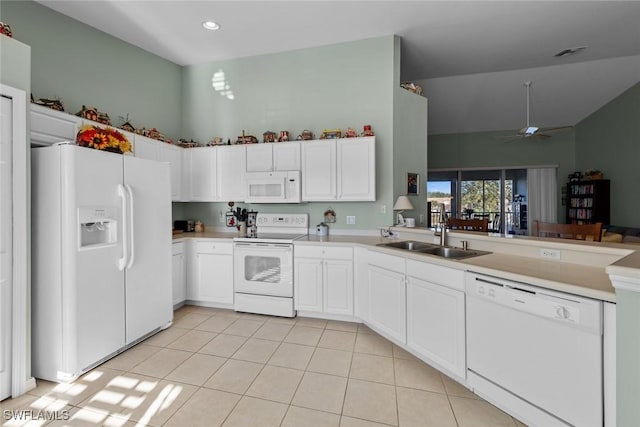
(469, 224)
(591, 232)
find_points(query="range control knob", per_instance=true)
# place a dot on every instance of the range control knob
(562, 312)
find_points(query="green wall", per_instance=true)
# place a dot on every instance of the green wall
(491, 150)
(337, 86)
(82, 65)
(609, 140)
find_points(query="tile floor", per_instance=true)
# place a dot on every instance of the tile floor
(220, 368)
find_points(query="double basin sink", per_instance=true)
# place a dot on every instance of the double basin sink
(437, 250)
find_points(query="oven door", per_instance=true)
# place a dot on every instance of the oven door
(263, 269)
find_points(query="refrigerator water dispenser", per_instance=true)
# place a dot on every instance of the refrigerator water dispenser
(98, 226)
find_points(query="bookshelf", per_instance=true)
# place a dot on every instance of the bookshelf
(588, 201)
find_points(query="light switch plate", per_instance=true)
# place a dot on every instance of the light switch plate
(351, 219)
(549, 253)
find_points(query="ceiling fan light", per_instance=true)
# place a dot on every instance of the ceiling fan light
(211, 25)
(530, 130)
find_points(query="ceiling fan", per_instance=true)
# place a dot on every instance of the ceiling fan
(533, 131)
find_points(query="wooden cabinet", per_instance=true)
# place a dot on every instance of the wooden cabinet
(230, 172)
(210, 278)
(179, 273)
(50, 126)
(386, 295)
(202, 173)
(339, 169)
(436, 315)
(282, 156)
(588, 202)
(323, 278)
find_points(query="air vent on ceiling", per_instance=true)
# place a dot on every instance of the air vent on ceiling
(570, 51)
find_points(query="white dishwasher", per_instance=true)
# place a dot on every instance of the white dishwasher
(537, 352)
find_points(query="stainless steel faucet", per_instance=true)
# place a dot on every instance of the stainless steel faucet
(442, 221)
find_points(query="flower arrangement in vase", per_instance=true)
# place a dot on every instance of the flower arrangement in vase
(107, 139)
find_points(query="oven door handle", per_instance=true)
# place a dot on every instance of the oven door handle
(264, 246)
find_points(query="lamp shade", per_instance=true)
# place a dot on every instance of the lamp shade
(403, 203)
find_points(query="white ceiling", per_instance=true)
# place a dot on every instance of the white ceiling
(440, 39)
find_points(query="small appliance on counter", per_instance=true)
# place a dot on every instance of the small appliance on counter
(322, 230)
(185, 225)
(252, 224)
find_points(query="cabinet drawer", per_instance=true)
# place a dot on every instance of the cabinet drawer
(177, 248)
(332, 252)
(438, 274)
(214, 247)
(389, 262)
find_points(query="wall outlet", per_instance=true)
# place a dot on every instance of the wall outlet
(221, 218)
(383, 209)
(351, 219)
(549, 253)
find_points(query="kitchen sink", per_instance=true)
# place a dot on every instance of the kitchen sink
(430, 249)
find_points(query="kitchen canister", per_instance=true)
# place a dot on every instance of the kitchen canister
(322, 229)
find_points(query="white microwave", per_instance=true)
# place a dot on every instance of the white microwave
(273, 187)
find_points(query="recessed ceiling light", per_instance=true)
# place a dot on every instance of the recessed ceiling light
(210, 25)
(570, 51)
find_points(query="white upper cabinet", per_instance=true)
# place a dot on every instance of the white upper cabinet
(173, 155)
(147, 148)
(201, 163)
(230, 172)
(50, 126)
(342, 169)
(280, 156)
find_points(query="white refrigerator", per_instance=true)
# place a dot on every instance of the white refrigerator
(101, 256)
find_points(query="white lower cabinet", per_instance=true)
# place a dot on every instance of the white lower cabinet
(210, 278)
(386, 295)
(178, 273)
(436, 315)
(323, 278)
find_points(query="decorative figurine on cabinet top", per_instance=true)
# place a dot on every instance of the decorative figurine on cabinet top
(306, 135)
(269, 136)
(350, 133)
(284, 136)
(331, 134)
(367, 131)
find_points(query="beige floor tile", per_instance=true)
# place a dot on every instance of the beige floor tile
(373, 344)
(400, 353)
(416, 374)
(127, 360)
(161, 363)
(44, 386)
(372, 368)
(27, 402)
(256, 412)
(454, 388)
(244, 327)
(337, 340)
(82, 388)
(206, 310)
(273, 331)
(293, 356)
(166, 337)
(283, 320)
(197, 369)
(206, 408)
(190, 320)
(178, 313)
(82, 417)
(192, 341)
(275, 383)
(305, 335)
(332, 362)
(321, 392)
(519, 423)
(256, 350)
(338, 325)
(253, 316)
(478, 413)
(217, 323)
(371, 401)
(364, 329)
(418, 408)
(356, 422)
(223, 345)
(297, 417)
(312, 322)
(234, 376)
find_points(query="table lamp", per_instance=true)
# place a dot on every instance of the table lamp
(402, 204)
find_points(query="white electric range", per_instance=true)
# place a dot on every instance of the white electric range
(263, 265)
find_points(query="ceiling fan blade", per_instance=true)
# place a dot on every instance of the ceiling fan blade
(555, 129)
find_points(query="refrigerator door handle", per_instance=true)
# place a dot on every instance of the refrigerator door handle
(122, 262)
(131, 229)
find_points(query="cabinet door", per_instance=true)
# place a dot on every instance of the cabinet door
(147, 148)
(286, 156)
(387, 310)
(356, 169)
(173, 155)
(178, 278)
(259, 157)
(308, 284)
(338, 287)
(49, 126)
(230, 173)
(202, 170)
(319, 170)
(435, 324)
(214, 276)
